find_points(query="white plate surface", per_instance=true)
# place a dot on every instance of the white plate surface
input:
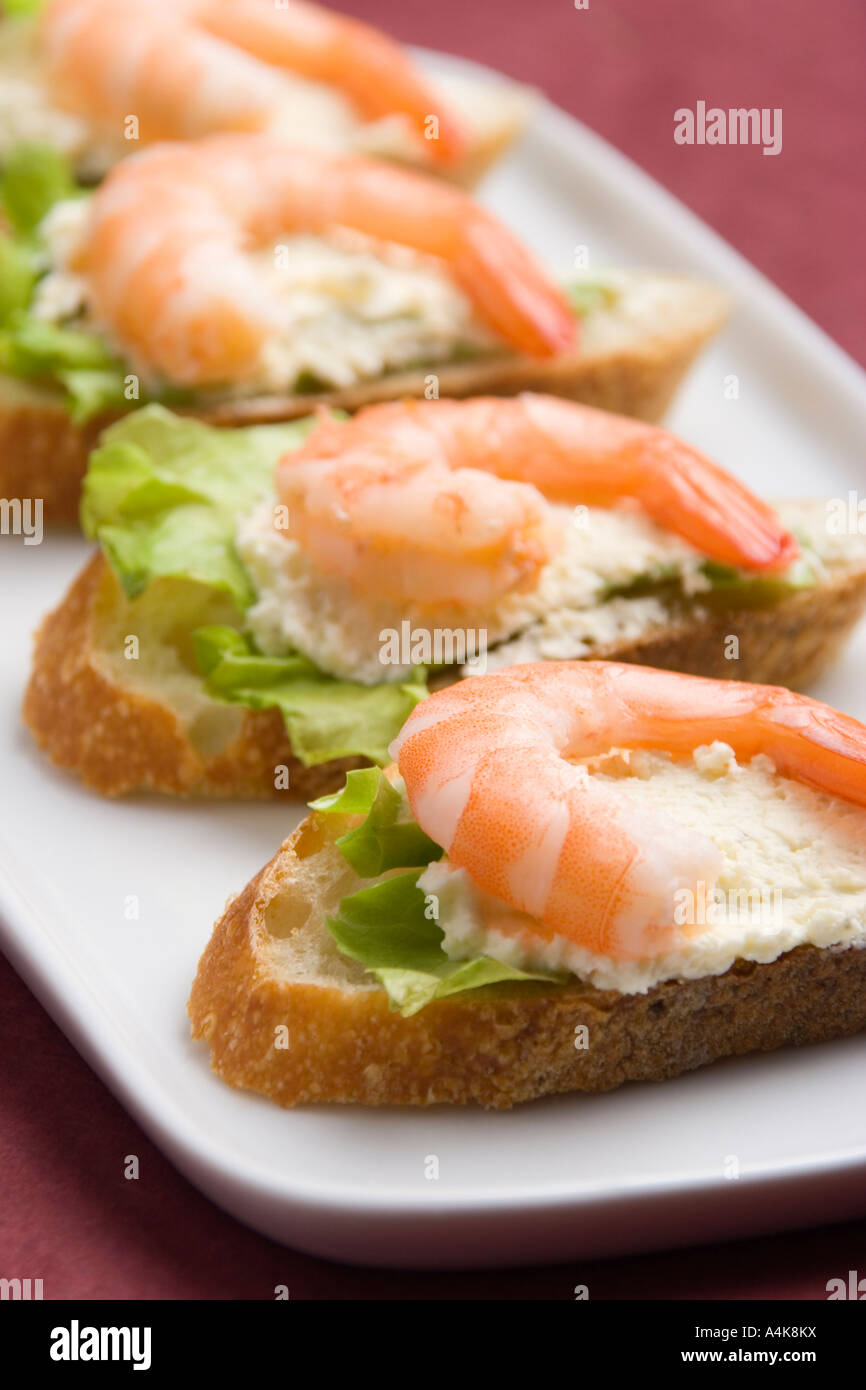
(644, 1166)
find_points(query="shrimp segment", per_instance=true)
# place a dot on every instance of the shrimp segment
(167, 263)
(192, 67)
(109, 59)
(372, 69)
(357, 493)
(490, 775)
(472, 536)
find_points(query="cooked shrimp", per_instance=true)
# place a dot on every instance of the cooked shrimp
(112, 59)
(490, 773)
(395, 499)
(166, 256)
(193, 67)
(372, 69)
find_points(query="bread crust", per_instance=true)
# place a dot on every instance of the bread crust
(44, 454)
(487, 147)
(496, 1046)
(119, 740)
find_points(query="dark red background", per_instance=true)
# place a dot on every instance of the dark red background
(623, 66)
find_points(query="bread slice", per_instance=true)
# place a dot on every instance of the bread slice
(630, 363)
(125, 726)
(494, 112)
(271, 964)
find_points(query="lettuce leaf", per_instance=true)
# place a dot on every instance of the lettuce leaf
(93, 380)
(163, 493)
(741, 589)
(326, 718)
(387, 929)
(22, 9)
(229, 660)
(18, 275)
(587, 296)
(355, 798)
(162, 496)
(92, 390)
(31, 347)
(34, 178)
(388, 838)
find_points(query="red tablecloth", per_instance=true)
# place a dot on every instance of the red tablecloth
(623, 66)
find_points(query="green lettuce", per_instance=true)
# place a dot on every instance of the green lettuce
(18, 275)
(92, 391)
(356, 798)
(741, 589)
(22, 9)
(162, 496)
(34, 178)
(389, 929)
(388, 838)
(388, 926)
(587, 296)
(163, 493)
(730, 587)
(31, 347)
(92, 379)
(326, 718)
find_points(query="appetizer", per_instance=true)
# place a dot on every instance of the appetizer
(268, 604)
(575, 875)
(99, 78)
(243, 279)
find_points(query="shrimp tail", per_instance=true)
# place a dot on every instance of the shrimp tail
(713, 509)
(374, 71)
(511, 290)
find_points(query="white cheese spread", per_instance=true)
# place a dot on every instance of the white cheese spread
(349, 308)
(566, 616)
(562, 617)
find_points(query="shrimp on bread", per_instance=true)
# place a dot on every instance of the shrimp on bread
(522, 894)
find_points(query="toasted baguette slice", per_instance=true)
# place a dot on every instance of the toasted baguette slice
(125, 726)
(494, 111)
(271, 963)
(630, 362)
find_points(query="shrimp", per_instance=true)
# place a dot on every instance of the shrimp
(490, 775)
(166, 256)
(394, 499)
(194, 67)
(372, 69)
(110, 59)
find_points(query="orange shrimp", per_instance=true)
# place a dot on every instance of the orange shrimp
(391, 498)
(167, 262)
(490, 775)
(188, 68)
(372, 69)
(111, 59)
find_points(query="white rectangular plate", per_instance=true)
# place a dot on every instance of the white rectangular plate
(577, 1176)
